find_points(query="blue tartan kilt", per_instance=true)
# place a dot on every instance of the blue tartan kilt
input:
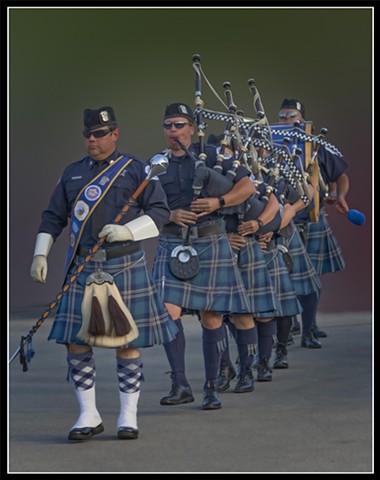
(218, 285)
(257, 281)
(137, 290)
(278, 271)
(303, 274)
(322, 246)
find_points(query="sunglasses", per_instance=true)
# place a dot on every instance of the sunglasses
(98, 133)
(282, 116)
(177, 125)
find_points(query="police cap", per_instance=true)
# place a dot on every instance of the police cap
(178, 110)
(99, 117)
(293, 103)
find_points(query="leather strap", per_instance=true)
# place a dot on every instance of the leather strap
(201, 231)
(104, 254)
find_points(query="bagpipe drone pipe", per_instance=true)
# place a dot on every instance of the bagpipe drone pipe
(219, 180)
(206, 179)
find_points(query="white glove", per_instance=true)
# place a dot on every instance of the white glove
(38, 270)
(137, 229)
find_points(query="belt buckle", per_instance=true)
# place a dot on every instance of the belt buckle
(100, 256)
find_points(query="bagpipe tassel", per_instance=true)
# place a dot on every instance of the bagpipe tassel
(96, 325)
(119, 321)
(26, 357)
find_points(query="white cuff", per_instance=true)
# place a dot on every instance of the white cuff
(44, 241)
(142, 227)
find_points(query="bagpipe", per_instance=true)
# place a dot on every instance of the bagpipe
(213, 180)
(209, 179)
(281, 158)
(247, 139)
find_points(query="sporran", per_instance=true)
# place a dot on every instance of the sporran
(106, 320)
(286, 256)
(184, 262)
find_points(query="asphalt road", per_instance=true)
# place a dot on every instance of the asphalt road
(315, 417)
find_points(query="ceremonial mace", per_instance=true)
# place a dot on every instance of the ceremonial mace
(158, 165)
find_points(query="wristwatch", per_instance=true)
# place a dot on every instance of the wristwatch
(260, 222)
(222, 202)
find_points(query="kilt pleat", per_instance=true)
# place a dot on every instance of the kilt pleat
(257, 281)
(218, 286)
(323, 246)
(289, 304)
(303, 274)
(137, 290)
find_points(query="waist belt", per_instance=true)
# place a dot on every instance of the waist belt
(195, 232)
(104, 254)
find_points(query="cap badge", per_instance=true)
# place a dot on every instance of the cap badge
(183, 109)
(104, 116)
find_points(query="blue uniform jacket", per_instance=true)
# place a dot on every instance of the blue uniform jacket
(151, 201)
(178, 179)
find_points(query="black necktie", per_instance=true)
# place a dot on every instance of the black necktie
(98, 167)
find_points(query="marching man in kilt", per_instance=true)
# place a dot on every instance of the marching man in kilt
(195, 268)
(321, 244)
(112, 302)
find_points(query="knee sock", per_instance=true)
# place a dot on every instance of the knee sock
(309, 305)
(231, 326)
(266, 332)
(316, 309)
(129, 373)
(225, 361)
(213, 343)
(82, 372)
(284, 325)
(175, 352)
(246, 341)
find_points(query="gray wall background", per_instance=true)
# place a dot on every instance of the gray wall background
(63, 60)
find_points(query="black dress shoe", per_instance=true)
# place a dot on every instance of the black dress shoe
(319, 333)
(309, 341)
(245, 382)
(127, 433)
(264, 373)
(281, 359)
(226, 374)
(85, 433)
(177, 395)
(211, 399)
